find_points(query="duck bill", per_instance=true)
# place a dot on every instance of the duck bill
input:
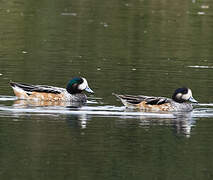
(191, 99)
(89, 90)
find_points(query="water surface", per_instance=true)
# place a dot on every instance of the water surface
(143, 47)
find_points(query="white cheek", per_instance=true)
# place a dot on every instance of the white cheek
(83, 85)
(188, 95)
(178, 96)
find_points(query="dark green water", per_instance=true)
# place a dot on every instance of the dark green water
(143, 47)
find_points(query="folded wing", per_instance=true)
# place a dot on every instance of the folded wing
(28, 88)
(138, 99)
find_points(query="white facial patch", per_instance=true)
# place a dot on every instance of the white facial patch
(188, 95)
(179, 95)
(83, 85)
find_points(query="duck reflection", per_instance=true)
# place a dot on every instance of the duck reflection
(74, 119)
(78, 116)
(77, 121)
(181, 122)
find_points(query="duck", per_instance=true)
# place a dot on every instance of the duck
(181, 101)
(72, 92)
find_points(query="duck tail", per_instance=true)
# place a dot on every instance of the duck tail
(12, 84)
(129, 101)
(122, 99)
(18, 90)
(117, 95)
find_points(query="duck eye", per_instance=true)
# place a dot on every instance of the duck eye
(75, 85)
(185, 91)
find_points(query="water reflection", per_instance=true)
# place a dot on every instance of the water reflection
(182, 123)
(77, 115)
(78, 121)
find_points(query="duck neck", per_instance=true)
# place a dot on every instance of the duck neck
(179, 100)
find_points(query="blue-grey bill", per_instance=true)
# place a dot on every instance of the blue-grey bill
(89, 90)
(191, 99)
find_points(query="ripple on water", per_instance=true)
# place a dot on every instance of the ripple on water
(104, 111)
(7, 98)
(100, 110)
(183, 121)
(201, 110)
(202, 67)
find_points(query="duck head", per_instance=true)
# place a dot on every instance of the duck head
(77, 85)
(183, 95)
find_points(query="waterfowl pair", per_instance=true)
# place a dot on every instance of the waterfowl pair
(73, 91)
(180, 101)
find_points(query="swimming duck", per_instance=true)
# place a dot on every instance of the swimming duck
(180, 101)
(73, 91)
